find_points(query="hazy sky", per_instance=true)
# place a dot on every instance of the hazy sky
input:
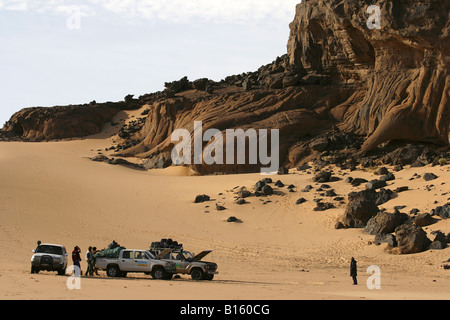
(59, 52)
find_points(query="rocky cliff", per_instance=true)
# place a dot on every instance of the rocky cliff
(342, 87)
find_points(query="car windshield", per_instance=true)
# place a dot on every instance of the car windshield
(149, 255)
(49, 249)
(187, 255)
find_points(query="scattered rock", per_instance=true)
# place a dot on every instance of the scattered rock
(360, 209)
(382, 171)
(411, 239)
(279, 184)
(100, 158)
(442, 211)
(401, 189)
(375, 184)
(323, 176)
(386, 238)
(424, 220)
(438, 245)
(267, 190)
(322, 206)
(429, 176)
(220, 208)
(384, 223)
(300, 201)
(358, 181)
(388, 177)
(439, 236)
(244, 194)
(202, 198)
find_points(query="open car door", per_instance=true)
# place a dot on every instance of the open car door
(201, 255)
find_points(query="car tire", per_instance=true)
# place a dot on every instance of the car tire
(159, 273)
(112, 271)
(209, 277)
(169, 276)
(62, 272)
(197, 274)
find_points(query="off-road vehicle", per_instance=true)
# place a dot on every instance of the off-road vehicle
(49, 257)
(186, 262)
(136, 261)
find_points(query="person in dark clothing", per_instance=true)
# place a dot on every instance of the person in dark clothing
(94, 251)
(90, 262)
(354, 271)
(76, 258)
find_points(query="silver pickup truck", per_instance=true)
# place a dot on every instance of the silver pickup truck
(187, 263)
(137, 261)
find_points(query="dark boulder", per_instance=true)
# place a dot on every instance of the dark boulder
(424, 220)
(375, 184)
(429, 176)
(202, 198)
(437, 245)
(386, 238)
(357, 182)
(442, 211)
(360, 209)
(388, 177)
(244, 194)
(323, 176)
(411, 239)
(220, 208)
(322, 206)
(385, 222)
(267, 190)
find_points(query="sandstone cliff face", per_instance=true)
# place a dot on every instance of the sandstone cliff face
(338, 79)
(44, 124)
(404, 66)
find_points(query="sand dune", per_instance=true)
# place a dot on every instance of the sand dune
(52, 192)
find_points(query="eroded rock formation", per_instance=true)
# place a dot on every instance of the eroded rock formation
(339, 80)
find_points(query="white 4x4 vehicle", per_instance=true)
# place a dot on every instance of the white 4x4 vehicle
(49, 257)
(136, 261)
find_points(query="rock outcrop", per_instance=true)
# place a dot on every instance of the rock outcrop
(61, 122)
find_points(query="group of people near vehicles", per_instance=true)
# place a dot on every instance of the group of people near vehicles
(90, 260)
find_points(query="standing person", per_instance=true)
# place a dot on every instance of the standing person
(354, 271)
(94, 268)
(90, 264)
(76, 258)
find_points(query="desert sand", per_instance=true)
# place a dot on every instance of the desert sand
(52, 192)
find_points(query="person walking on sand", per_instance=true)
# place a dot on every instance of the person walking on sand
(90, 264)
(354, 271)
(76, 258)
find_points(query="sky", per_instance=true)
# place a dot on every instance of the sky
(61, 52)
